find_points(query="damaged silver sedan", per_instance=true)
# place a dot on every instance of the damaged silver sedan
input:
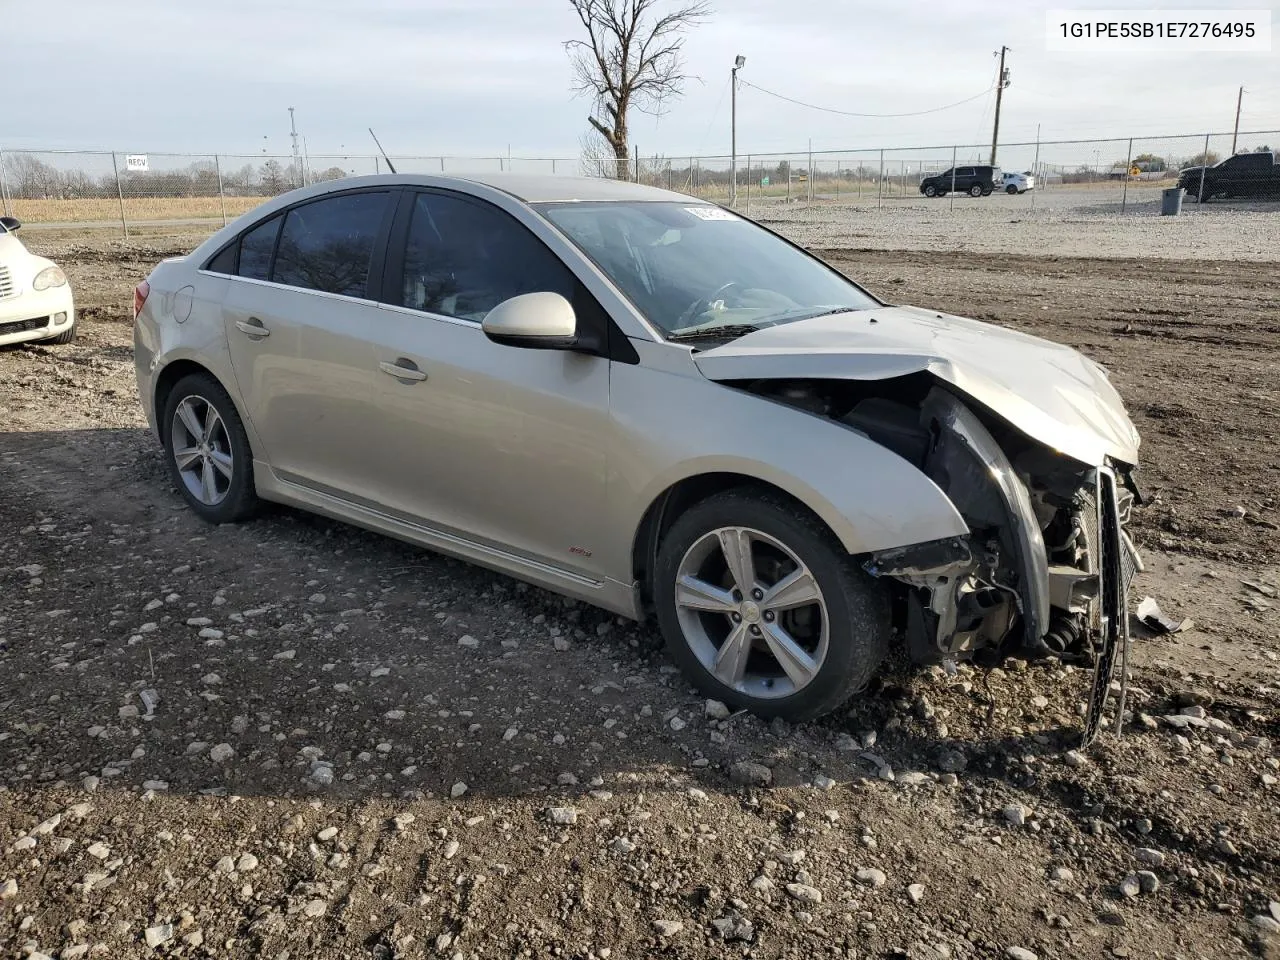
(634, 398)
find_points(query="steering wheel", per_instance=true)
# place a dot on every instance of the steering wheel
(703, 303)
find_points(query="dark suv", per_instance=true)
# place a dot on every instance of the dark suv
(977, 181)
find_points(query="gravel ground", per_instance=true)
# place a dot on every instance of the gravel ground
(294, 739)
(1064, 222)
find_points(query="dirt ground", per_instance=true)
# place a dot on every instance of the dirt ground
(294, 739)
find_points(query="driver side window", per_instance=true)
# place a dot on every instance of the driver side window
(464, 257)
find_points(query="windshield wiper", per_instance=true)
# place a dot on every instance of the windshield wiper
(728, 331)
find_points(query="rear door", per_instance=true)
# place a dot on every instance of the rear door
(502, 446)
(297, 320)
(964, 178)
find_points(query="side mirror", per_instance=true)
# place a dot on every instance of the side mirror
(10, 223)
(539, 321)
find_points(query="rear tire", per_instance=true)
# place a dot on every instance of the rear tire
(66, 336)
(1011, 189)
(833, 643)
(208, 453)
(975, 190)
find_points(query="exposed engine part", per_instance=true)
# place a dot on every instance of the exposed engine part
(953, 610)
(1072, 589)
(1063, 635)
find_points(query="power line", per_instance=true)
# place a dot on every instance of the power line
(850, 113)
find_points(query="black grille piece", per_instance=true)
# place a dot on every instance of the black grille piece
(21, 326)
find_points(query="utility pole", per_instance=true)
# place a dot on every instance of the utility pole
(293, 132)
(1001, 82)
(1235, 133)
(738, 63)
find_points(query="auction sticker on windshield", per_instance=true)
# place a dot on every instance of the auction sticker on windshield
(711, 213)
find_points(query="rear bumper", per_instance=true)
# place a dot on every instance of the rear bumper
(36, 315)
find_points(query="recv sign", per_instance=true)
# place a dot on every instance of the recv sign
(136, 162)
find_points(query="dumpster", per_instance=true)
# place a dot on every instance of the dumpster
(1171, 202)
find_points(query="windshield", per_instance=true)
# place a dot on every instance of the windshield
(693, 268)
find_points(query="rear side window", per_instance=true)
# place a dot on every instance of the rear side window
(965, 172)
(328, 244)
(255, 250)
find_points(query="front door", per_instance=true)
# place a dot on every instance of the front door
(297, 321)
(499, 445)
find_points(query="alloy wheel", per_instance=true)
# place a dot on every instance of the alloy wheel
(202, 450)
(752, 612)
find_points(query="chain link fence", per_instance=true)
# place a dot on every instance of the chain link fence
(1080, 177)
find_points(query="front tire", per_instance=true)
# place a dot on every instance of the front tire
(930, 191)
(763, 609)
(207, 450)
(66, 336)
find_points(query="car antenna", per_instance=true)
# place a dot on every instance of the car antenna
(390, 166)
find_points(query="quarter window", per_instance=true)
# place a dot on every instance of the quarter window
(463, 258)
(328, 244)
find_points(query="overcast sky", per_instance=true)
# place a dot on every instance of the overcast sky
(483, 76)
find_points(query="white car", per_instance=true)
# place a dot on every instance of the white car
(1019, 182)
(35, 298)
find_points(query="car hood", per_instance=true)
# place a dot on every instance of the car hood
(11, 248)
(1050, 392)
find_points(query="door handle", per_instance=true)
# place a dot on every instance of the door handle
(403, 369)
(253, 327)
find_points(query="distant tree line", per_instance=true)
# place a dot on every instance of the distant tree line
(27, 177)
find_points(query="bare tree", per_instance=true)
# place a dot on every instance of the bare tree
(596, 155)
(631, 58)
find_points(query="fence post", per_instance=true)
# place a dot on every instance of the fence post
(748, 184)
(808, 194)
(952, 191)
(788, 179)
(222, 197)
(1204, 163)
(837, 178)
(115, 167)
(1124, 194)
(4, 188)
(1035, 169)
(880, 183)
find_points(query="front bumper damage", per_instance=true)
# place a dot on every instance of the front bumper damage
(1047, 565)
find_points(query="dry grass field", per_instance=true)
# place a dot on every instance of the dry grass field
(135, 208)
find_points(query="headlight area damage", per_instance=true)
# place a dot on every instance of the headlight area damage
(1046, 566)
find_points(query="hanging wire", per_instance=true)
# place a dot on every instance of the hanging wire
(850, 113)
(714, 116)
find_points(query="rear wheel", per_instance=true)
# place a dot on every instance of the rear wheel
(208, 450)
(975, 190)
(1011, 189)
(763, 609)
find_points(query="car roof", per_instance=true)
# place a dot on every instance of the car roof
(529, 188)
(535, 188)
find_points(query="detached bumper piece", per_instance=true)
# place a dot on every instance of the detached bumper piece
(1118, 561)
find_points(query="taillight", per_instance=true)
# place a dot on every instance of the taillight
(140, 294)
